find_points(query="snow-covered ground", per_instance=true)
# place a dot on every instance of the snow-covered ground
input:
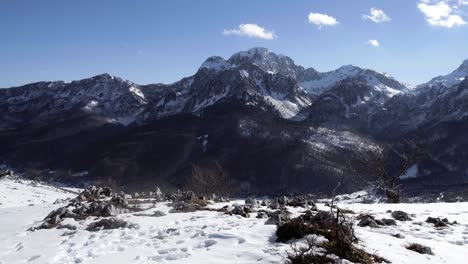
(205, 236)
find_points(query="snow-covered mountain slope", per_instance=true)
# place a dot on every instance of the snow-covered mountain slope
(256, 73)
(449, 80)
(82, 120)
(311, 80)
(104, 95)
(381, 82)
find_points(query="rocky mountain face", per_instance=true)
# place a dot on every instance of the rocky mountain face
(254, 123)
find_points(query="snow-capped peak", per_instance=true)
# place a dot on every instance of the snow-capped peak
(104, 76)
(252, 53)
(348, 69)
(267, 61)
(464, 66)
(216, 63)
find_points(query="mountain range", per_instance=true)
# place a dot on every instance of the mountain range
(253, 123)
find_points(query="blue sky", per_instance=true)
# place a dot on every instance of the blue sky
(150, 41)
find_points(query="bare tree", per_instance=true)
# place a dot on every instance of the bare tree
(387, 164)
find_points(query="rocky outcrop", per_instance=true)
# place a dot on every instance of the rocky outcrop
(97, 202)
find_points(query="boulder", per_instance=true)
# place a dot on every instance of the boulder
(252, 202)
(304, 201)
(183, 196)
(437, 222)
(108, 223)
(388, 222)
(420, 249)
(262, 215)
(321, 218)
(158, 195)
(265, 202)
(241, 210)
(282, 200)
(187, 206)
(398, 235)
(220, 199)
(158, 213)
(368, 220)
(273, 220)
(401, 216)
(274, 204)
(277, 217)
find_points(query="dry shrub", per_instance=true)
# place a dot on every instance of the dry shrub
(335, 228)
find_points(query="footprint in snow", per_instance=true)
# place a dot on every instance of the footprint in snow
(30, 259)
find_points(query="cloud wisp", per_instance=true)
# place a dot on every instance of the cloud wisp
(373, 42)
(441, 14)
(377, 16)
(322, 20)
(251, 31)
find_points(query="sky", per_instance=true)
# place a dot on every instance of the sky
(162, 41)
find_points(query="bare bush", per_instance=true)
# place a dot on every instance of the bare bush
(387, 164)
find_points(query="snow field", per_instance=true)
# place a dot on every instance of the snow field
(205, 236)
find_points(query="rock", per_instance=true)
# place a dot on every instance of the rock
(398, 235)
(273, 220)
(304, 201)
(158, 195)
(108, 223)
(183, 196)
(388, 222)
(322, 218)
(282, 200)
(106, 191)
(136, 195)
(158, 213)
(401, 216)
(368, 220)
(5, 173)
(438, 222)
(252, 202)
(154, 214)
(243, 211)
(262, 215)
(265, 202)
(93, 201)
(187, 206)
(221, 200)
(420, 249)
(277, 217)
(274, 204)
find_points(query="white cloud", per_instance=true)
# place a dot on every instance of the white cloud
(373, 42)
(377, 15)
(441, 13)
(251, 31)
(322, 20)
